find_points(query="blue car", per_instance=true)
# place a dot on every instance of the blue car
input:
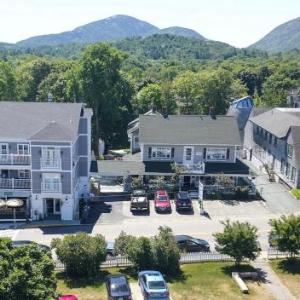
(153, 285)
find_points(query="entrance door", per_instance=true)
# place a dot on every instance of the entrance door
(53, 206)
(188, 155)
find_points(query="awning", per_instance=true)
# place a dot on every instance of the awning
(2, 203)
(14, 203)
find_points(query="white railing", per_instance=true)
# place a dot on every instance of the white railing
(198, 168)
(22, 184)
(50, 164)
(51, 187)
(14, 159)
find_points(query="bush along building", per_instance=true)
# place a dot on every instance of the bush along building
(44, 158)
(272, 142)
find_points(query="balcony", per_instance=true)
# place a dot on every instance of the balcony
(14, 159)
(12, 184)
(198, 168)
(51, 186)
(47, 164)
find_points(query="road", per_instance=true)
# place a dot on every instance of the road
(119, 218)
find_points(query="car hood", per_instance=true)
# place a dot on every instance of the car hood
(202, 242)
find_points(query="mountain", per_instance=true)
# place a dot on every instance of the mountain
(181, 31)
(114, 28)
(110, 29)
(284, 37)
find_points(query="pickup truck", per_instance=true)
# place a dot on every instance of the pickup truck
(139, 201)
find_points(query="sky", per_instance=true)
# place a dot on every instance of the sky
(237, 22)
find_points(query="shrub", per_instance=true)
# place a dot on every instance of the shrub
(26, 272)
(81, 254)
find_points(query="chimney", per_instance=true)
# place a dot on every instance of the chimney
(212, 113)
(50, 97)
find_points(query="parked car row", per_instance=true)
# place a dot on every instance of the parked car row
(162, 203)
(152, 285)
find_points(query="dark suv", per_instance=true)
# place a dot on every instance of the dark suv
(183, 201)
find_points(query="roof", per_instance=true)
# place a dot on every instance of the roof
(39, 121)
(269, 120)
(189, 130)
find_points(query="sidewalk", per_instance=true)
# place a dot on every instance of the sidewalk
(272, 281)
(277, 197)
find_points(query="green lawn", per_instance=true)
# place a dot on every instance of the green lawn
(289, 273)
(197, 281)
(296, 193)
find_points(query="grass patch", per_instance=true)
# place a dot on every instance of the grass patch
(296, 193)
(289, 273)
(211, 280)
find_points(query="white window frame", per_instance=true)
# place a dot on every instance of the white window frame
(166, 151)
(21, 149)
(290, 150)
(6, 147)
(211, 156)
(24, 174)
(188, 158)
(50, 180)
(51, 158)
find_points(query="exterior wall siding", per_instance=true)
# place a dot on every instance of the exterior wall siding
(83, 126)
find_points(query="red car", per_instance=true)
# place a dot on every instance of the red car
(162, 202)
(68, 297)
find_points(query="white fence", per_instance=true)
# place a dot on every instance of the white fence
(186, 258)
(273, 253)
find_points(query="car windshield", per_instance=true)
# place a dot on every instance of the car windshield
(139, 193)
(119, 285)
(162, 198)
(156, 285)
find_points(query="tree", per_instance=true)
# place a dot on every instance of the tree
(7, 82)
(81, 254)
(27, 272)
(150, 97)
(238, 240)
(166, 252)
(285, 234)
(103, 88)
(138, 250)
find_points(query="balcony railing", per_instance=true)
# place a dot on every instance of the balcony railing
(11, 184)
(50, 164)
(51, 187)
(198, 168)
(14, 159)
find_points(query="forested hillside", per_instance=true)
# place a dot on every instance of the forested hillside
(129, 77)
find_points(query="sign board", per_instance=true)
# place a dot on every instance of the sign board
(200, 190)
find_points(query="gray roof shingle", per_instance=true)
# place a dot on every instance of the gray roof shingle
(41, 121)
(278, 120)
(189, 130)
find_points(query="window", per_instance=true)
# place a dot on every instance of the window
(216, 153)
(293, 174)
(3, 149)
(287, 170)
(24, 174)
(50, 158)
(275, 141)
(289, 150)
(266, 135)
(270, 138)
(257, 130)
(282, 166)
(23, 149)
(51, 182)
(161, 152)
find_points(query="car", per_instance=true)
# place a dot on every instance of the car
(68, 297)
(153, 285)
(139, 201)
(183, 201)
(162, 202)
(117, 287)
(188, 243)
(110, 248)
(20, 243)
